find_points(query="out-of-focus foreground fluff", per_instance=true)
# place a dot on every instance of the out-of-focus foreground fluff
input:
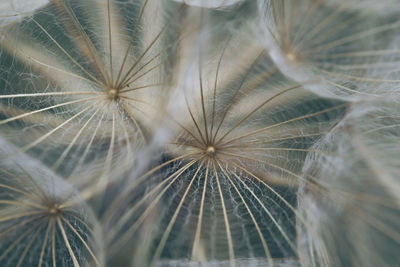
(199, 133)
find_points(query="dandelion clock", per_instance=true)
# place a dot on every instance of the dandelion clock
(350, 203)
(224, 191)
(80, 81)
(333, 49)
(43, 221)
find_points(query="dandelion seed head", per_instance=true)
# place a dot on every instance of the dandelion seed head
(206, 132)
(43, 219)
(236, 135)
(97, 83)
(330, 48)
(356, 196)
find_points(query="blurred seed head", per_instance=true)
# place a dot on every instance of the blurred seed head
(201, 133)
(43, 220)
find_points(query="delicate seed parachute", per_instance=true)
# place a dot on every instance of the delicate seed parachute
(233, 169)
(43, 221)
(333, 49)
(84, 77)
(199, 133)
(352, 205)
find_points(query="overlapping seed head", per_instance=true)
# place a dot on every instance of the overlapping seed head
(179, 133)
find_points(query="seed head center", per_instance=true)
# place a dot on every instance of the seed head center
(54, 210)
(291, 56)
(210, 151)
(113, 93)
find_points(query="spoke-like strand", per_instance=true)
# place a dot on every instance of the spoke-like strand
(103, 181)
(16, 226)
(194, 120)
(132, 118)
(379, 225)
(139, 180)
(292, 246)
(366, 53)
(215, 87)
(135, 100)
(16, 241)
(140, 87)
(353, 37)
(82, 159)
(303, 25)
(287, 121)
(269, 164)
(110, 41)
(41, 194)
(19, 215)
(82, 240)
(53, 239)
(42, 138)
(20, 203)
(264, 243)
(350, 90)
(272, 140)
(147, 49)
(167, 231)
(202, 101)
(227, 225)
(45, 109)
(259, 57)
(99, 64)
(293, 209)
(51, 94)
(132, 210)
(195, 138)
(127, 138)
(46, 236)
(153, 203)
(256, 109)
(17, 191)
(318, 28)
(131, 41)
(151, 60)
(63, 71)
(244, 147)
(29, 245)
(67, 244)
(196, 242)
(357, 78)
(65, 52)
(72, 143)
(133, 79)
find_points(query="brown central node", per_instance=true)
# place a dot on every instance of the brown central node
(291, 56)
(113, 93)
(210, 150)
(55, 210)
